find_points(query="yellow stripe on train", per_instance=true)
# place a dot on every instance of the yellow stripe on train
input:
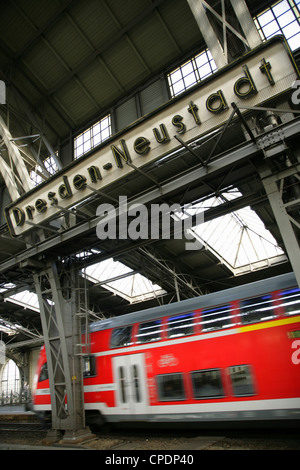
(270, 324)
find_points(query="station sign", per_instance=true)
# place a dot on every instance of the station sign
(254, 79)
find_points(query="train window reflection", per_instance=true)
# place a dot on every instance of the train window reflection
(290, 300)
(241, 379)
(181, 325)
(121, 337)
(136, 383)
(216, 318)
(207, 384)
(149, 331)
(88, 366)
(170, 387)
(44, 373)
(121, 373)
(257, 309)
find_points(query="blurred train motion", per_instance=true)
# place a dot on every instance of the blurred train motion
(227, 356)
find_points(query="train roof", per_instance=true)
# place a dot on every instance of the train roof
(221, 297)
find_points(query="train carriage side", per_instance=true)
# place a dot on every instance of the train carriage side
(233, 355)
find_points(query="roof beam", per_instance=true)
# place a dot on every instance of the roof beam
(229, 158)
(219, 51)
(243, 14)
(220, 163)
(128, 40)
(16, 159)
(32, 78)
(32, 117)
(207, 32)
(90, 45)
(137, 20)
(40, 31)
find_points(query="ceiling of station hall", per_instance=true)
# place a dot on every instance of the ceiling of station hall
(73, 60)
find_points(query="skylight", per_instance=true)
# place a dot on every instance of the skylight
(25, 299)
(239, 239)
(113, 275)
(123, 281)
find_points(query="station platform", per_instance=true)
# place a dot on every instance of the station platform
(17, 413)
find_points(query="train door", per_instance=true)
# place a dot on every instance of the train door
(131, 386)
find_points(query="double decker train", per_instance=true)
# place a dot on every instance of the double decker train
(231, 356)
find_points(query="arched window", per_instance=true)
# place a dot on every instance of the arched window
(10, 379)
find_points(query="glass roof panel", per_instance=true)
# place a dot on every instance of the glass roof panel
(26, 299)
(123, 281)
(238, 239)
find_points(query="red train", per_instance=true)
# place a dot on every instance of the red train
(227, 356)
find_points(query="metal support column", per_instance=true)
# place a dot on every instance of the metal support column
(219, 49)
(282, 189)
(56, 287)
(15, 174)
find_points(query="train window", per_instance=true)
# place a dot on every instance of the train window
(257, 309)
(290, 300)
(44, 372)
(136, 382)
(149, 331)
(170, 387)
(241, 379)
(121, 373)
(216, 318)
(121, 337)
(181, 325)
(207, 384)
(88, 366)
